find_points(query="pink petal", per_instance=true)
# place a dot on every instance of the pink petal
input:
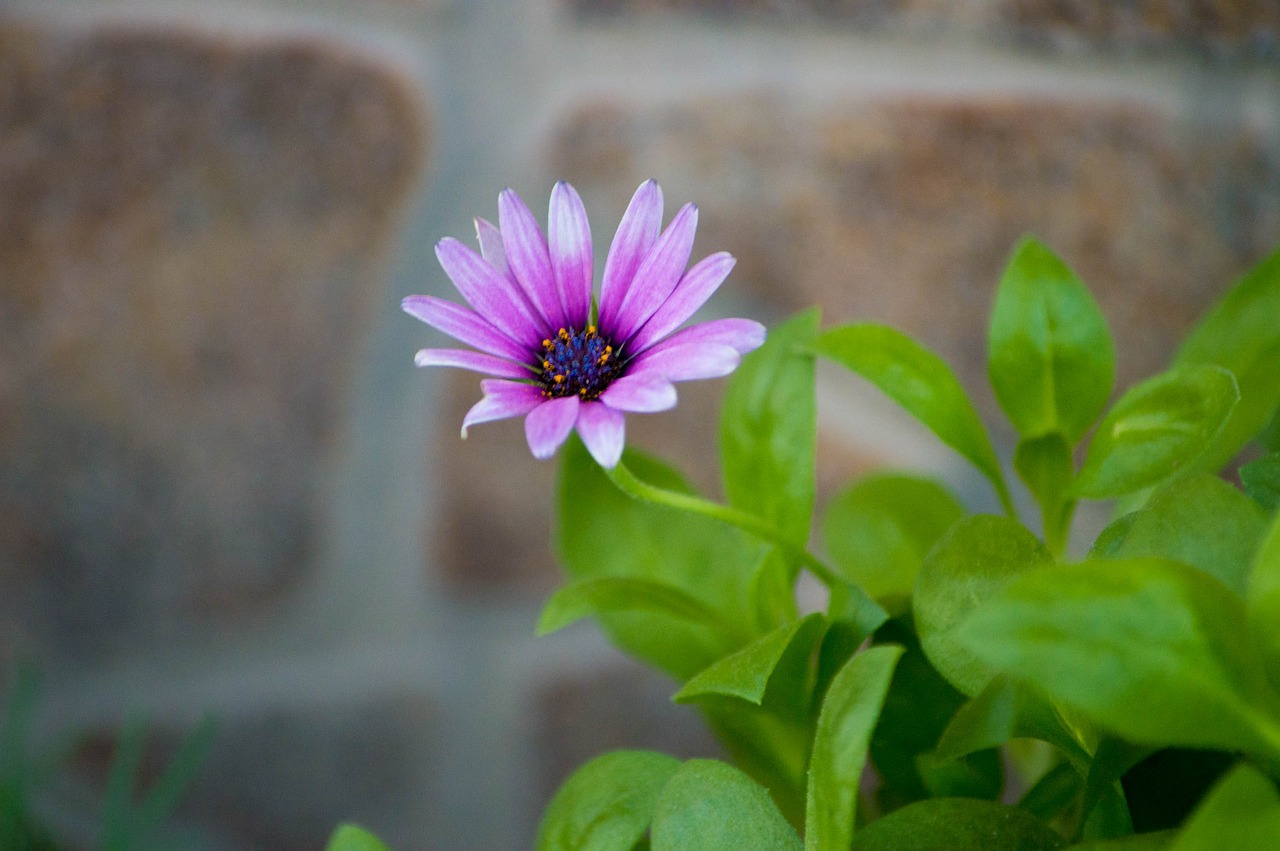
(571, 257)
(527, 255)
(549, 424)
(688, 362)
(656, 277)
(476, 361)
(502, 400)
(640, 393)
(742, 335)
(464, 325)
(489, 292)
(692, 292)
(603, 430)
(637, 232)
(490, 239)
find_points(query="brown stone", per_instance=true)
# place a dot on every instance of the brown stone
(191, 234)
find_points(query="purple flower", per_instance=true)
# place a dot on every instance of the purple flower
(553, 355)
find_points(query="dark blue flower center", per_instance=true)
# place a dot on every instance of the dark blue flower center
(578, 363)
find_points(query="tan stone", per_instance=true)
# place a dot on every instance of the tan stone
(191, 233)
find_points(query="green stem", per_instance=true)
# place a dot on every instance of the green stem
(1057, 526)
(627, 482)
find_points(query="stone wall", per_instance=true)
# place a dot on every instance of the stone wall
(223, 487)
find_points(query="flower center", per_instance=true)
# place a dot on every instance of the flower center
(578, 363)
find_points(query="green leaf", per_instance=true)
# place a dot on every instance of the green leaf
(612, 595)
(1045, 465)
(1200, 520)
(747, 674)
(1261, 480)
(350, 837)
(1156, 841)
(878, 531)
(978, 557)
(772, 592)
(1158, 428)
(1241, 334)
(606, 804)
(1051, 358)
(603, 533)
(768, 430)
(712, 806)
(1053, 793)
(920, 381)
(1263, 597)
(1111, 760)
(1242, 811)
(167, 792)
(849, 713)
(958, 824)
(1148, 648)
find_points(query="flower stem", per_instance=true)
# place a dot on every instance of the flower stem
(627, 482)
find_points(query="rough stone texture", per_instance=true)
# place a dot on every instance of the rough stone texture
(905, 212)
(624, 706)
(191, 232)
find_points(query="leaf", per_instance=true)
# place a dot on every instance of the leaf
(958, 824)
(768, 430)
(601, 533)
(772, 592)
(1240, 333)
(167, 792)
(973, 561)
(1263, 599)
(1053, 793)
(1156, 841)
(920, 381)
(1051, 359)
(712, 806)
(1149, 648)
(1261, 480)
(1158, 428)
(747, 674)
(350, 837)
(607, 803)
(878, 530)
(612, 595)
(1199, 520)
(849, 713)
(1111, 760)
(1242, 811)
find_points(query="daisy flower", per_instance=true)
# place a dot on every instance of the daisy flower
(553, 355)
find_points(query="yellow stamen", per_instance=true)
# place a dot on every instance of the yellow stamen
(546, 364)
(546, 344)
(564, 335)
(559, 379)
(591, 330)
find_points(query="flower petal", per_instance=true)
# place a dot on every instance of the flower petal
(742, 335)
(527, 255)
(464, 325)
(569, 238)
(637, 232)
(489, 292)
(640, 393)
(549, 424)
(603, 430)
(475, 361)
(502, 400)
(657, 275)
(692, 292)
(687, 362)
(490, 239)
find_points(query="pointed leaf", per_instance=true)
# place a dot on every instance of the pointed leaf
(620, 594)
(350, 837)
(607, 804)
(712, 806)
(768, 430)
(1242, 811)
(1051, 361)
(747, 673)
(1158, 428)
(920, 381)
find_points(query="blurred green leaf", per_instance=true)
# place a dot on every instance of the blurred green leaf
(1045, 465)
(1112, 758)
(1158, 428)
(1149, 648)
(1200, 520)
(1263, 597)
(772, 592)
(601, 533)
(607, 804)
(978, 557)
(1241, 334)
(1053, 793)
(1051, 358)
(619, 594)
(920, 381)
(768, 430)
(712, 806)
(1156, 841)
(351, 837)
(957, 824)
(1261, 480)
(849, 713)
(878, 530)
(1242, 811)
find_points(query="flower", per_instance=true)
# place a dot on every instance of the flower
(554, 356)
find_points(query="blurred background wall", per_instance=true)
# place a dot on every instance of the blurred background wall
(225, 489)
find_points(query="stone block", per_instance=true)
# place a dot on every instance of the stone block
(192, 233)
